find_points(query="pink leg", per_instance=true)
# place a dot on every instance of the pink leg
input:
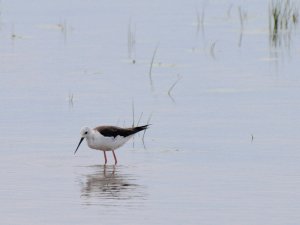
(105, 157)
(115, 157)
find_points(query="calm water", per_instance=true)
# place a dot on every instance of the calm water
(223, 147)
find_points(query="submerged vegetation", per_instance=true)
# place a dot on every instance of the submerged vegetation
(283, 18)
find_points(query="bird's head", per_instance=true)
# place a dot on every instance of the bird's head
(84, 132)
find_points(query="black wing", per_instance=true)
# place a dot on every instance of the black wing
(112, 131)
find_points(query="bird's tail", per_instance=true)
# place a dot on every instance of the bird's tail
(140, 128)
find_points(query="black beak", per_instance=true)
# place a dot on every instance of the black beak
(79, 144)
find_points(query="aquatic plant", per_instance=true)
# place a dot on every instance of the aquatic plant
(200, 19)
(283, 17)
(242, 16)
(172, 86)
(151, 65)
(131, 40)
(212, 49)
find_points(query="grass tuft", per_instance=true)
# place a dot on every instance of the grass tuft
(283, 17)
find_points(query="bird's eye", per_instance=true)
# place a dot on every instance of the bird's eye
(85, 132)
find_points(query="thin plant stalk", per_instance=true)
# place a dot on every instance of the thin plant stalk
(172, 87)
(151, 65)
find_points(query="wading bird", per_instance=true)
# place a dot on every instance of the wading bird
(108, 138)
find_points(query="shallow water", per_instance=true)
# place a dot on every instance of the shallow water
(223, 144)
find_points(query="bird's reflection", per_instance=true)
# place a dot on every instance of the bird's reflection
(108, 182)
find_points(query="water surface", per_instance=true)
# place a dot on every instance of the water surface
(223, 144)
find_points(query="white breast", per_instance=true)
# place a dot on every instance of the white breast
(100, 142)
